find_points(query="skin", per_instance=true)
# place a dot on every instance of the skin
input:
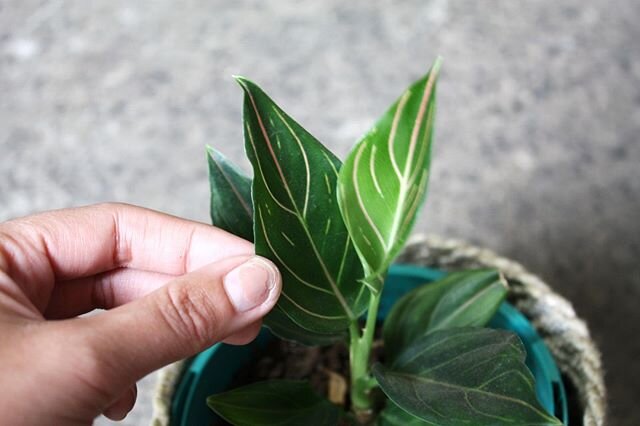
(160, 280)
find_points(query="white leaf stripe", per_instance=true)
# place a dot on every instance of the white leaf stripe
(330, 279)
(347, 243)
(312, 313)
(366, 240)
(410, 215)
(364, 210)
(264, 181)
(265, 135)
(372, 170)
(426, 143)
(289, 329)
(346, 217)
(326, 232)
(231, 185)
(282, 262)
(304, 157)
(331, 162)
(326, 182)
(392, 134)
(288, 239)
(363, 293)
(417, 125)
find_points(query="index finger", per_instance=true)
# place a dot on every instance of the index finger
(88, 240)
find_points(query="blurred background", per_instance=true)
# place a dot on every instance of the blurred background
(537, 153)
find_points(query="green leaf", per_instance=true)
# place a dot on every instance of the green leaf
(464, 376)
(383, 182)
(297, 220)
(461, 299)
(231, 208)
(392, 415)
(274, 403)
(283, 327)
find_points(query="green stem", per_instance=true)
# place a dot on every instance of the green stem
(360, 354)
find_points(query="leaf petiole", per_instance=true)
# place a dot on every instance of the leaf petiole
(360, 353)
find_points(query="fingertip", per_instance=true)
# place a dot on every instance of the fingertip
(256, 283)
(244, 336)
(274, 277)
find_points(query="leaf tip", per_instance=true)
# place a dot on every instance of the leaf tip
(244, 82)
(213, 153)
(437, 64)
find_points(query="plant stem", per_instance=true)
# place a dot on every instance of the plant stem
(359, 356)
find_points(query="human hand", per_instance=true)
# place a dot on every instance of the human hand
(172, 287)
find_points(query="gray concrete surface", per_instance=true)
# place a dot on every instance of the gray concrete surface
(537, 151)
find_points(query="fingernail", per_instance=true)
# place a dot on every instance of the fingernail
(249, 284)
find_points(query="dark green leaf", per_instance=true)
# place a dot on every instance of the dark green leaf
(464, 376)
(297, 220)
(283, 327)
(231, 208)
(274, 403)
(461, 299)
(230, 198)
(392, 415)
(383, 182)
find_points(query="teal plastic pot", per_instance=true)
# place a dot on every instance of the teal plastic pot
(213, 370)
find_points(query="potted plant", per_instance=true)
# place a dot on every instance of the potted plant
(334, 229)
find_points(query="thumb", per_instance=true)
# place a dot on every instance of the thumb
(185, 316)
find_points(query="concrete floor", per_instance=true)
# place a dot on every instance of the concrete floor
(537, 152)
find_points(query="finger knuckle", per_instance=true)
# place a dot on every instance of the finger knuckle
(245, 337)
(192, 313)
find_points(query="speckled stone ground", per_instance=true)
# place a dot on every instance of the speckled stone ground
(537, 151)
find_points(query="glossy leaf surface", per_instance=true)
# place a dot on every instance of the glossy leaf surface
(231, 207)
(383, 181)
(464, 376)
(461, 299)
(297, 220)
(271, 403)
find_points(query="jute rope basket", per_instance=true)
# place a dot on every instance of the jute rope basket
(565, 334)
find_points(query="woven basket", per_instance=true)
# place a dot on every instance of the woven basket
(565, 334)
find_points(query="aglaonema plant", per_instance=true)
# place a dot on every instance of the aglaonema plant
(333, 229)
